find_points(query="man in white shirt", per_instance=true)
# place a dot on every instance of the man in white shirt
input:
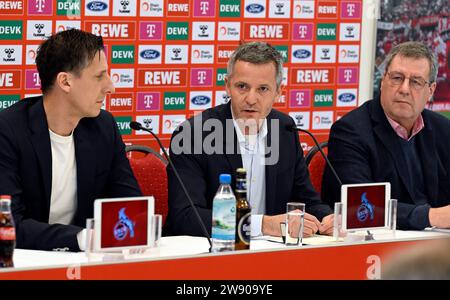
(255, 138)
(60, 151)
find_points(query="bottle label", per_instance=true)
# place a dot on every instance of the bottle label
(224, 219)
(244, 228)
(241, 185)
(7, 234)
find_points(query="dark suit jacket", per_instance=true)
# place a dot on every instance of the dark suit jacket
(363, 148)
(103, 170)
(288, 180)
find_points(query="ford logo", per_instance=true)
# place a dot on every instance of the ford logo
(149, 54)
(97, 6)
(347, 97)
(200, 100)
(255, 8)
(302, 53)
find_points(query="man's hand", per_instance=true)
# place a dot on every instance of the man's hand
(326, 227)
(271, 225)
(440, 217)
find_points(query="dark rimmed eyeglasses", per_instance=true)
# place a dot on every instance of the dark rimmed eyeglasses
(415, 82)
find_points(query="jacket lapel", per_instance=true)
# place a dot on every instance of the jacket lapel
(231, 146)
(427, 151)
(40, 138)
(85, 154)
(389, 139)
(271, 170)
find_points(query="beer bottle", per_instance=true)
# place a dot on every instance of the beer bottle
(243, 212)
(7, 233)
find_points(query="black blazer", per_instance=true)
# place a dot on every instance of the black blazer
(288, 180)
(103, 170)
(363, 148)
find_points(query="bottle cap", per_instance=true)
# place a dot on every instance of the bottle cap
(225, 178)
(5, 197)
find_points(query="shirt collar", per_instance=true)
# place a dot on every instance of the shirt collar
(242, 139)
(402, 132)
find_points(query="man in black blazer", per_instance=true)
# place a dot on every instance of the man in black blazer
(394, 139)
(253, 84)
(59, 152)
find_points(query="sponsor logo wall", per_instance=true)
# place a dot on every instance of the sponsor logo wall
(168, 58)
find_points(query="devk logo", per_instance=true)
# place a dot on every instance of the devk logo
(123, 226)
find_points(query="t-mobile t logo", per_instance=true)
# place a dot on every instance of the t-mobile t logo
(302, 31)
(151, 30)
(300, 97)
(148, 101)
(201, 77)
(36, 80)
(348, 74)
(40, 5)
(351, 8)
(204, 7)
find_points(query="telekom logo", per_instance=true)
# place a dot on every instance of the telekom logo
(201, 77)
(36, 80)
(151, 30)
(148, 101)
(204, 7)
(40, 5)
(302, 31)
(351, 8)
(348, 74)
(300, 97)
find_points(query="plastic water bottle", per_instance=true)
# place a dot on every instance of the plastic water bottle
(224, 216)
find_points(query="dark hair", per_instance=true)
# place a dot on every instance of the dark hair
(66, 51)
(257, 53)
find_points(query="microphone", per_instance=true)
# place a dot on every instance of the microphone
(138, 126)
(295, 128)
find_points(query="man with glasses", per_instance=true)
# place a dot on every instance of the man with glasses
(393, 138)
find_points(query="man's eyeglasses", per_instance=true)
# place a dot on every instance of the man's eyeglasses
(415, 82)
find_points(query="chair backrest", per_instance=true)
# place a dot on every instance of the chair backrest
(316, 165)
(150, 173)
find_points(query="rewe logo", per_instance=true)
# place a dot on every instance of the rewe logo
(10, 79)
(121, 102)
(268, 31)
(224, 52)
(112, 31)
(147, 101)
(312, 76)
(11, 7)
(327, 9)
(162, 77)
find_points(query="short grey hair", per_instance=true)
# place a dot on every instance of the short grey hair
(258, 53)
(415, 50)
